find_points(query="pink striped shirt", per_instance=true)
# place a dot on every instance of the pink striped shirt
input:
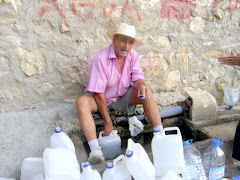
(106, 76)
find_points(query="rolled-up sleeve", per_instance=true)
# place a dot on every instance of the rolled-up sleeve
(98, 79)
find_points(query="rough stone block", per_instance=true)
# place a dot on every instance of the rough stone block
(204, 105)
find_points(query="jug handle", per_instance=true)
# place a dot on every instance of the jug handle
(114, 132)
(82, 165)
(111, 134)
(100, 134)
(171, 129)
(117, 159)
(129, 145)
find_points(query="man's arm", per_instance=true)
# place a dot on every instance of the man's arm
(102, 108)
(142, 88)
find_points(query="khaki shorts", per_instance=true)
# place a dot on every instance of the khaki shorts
(120, 105)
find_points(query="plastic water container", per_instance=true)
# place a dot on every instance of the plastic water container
(193, 169)
(214, 159)
(3, 178)
(38, 177)
(117, 170)
(61, 140)
(138, 162)
(110, 145)
(171, 176)
(60, 164)
(31, 167)
(231, 96)
(167, 149)
(156, 151)
(88, 173)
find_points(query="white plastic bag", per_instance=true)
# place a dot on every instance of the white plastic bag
(135, 126)
(231, 96)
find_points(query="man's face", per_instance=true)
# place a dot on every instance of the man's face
(122, 45)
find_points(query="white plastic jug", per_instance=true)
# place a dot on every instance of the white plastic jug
(38, 177)
(110, 145)
(167, 149)
(88, 173)
(61, 140)
(138, 162)
(60, 164)
(171, 176)
(31, 167)
(117, 170)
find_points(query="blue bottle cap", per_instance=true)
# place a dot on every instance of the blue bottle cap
(141, 97)
(187, 142)
(109, 165)
(86, 164)
(129, 153)
(155, 130)
(217, 141)
(58, 130)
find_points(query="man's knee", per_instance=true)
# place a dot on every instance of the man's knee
(85, 102)
(82, 101)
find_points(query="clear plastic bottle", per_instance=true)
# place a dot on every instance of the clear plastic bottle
(214, 159)
(88, 173)
(193, 169)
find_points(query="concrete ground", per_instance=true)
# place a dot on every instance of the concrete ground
(26, 134)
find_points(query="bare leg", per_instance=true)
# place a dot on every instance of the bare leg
(86, 105)
(149, 105)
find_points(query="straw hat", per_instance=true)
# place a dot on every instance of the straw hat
(126, 30)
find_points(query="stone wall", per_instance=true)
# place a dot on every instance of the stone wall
(47, 46)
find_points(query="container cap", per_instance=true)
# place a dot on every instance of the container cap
(155, 130)
(217, 141)
(129, 153)
(58, 130)
(187, 142)
(86, 164)
(109, 165)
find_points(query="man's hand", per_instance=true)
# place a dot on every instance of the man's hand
(233, 59)
(145, 91)
(108, 127)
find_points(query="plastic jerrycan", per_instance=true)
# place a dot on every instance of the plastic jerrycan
(60, 164)
(88, 173)
(167, 149)
(31, 167)
(117, 170)
(110, 145)
(61, 140)
(214, 159)
(156, 151)
(138, 162)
